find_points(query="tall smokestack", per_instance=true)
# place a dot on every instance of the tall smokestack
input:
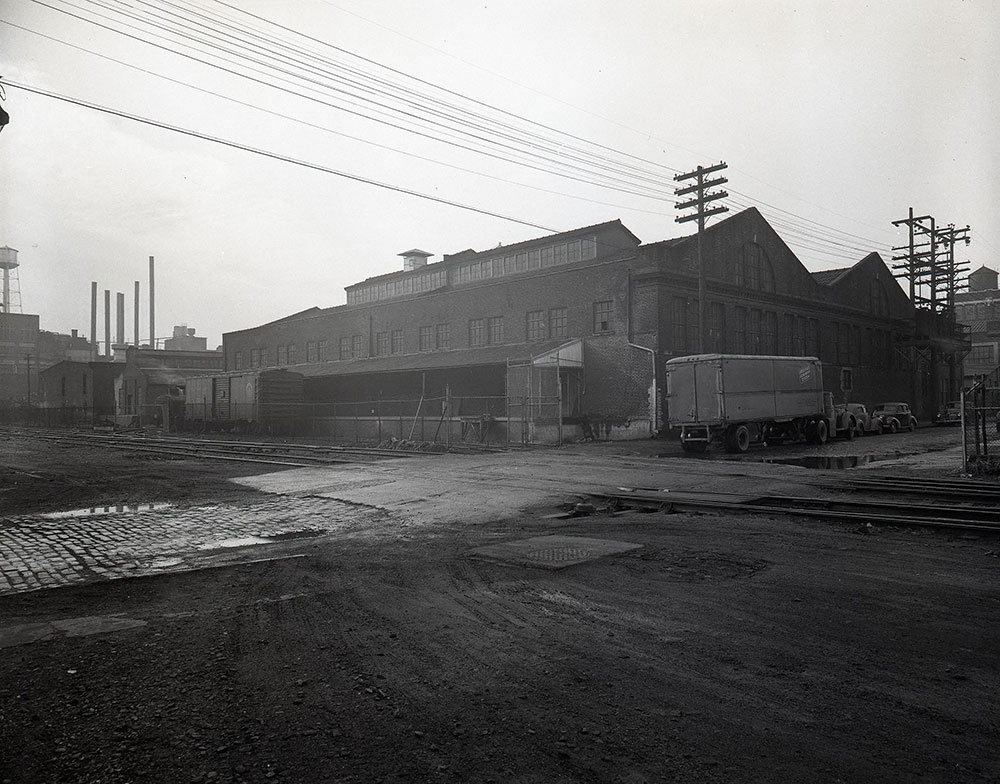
(107, 324)
(135, 334)
(152, 306)
(93, 317)
(120, 323)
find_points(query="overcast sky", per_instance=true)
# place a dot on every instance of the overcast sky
(834, 118)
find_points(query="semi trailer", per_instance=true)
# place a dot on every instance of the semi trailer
(738, 400)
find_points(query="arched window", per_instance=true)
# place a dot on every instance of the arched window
(878, 300)
(753, 270)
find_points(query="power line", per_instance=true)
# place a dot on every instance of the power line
(407, 115)
(325, 128)
(272, 155)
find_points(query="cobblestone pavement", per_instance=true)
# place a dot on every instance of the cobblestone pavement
(49, 551)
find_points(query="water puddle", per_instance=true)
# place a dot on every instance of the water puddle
(98, 511)
(243, 541)
(824, 462)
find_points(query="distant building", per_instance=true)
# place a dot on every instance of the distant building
(77, 392)
(595, 314)
(153, 376)
(184, 340)
(19, 336)
(979, 309)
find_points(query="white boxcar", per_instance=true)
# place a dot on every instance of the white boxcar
(741, 399)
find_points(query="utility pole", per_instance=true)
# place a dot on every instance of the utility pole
(700, 204)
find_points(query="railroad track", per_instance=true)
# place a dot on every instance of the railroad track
(932, 515)
(270, 453)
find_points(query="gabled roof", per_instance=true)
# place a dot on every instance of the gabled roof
(829, 277)
(548, 238)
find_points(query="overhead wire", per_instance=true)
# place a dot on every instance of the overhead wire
(268, 154)
(825, 237)
(407, 115)
(326, 129)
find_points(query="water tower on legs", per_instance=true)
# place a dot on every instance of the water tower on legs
(8, 263)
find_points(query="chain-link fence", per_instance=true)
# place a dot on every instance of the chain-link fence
(981, 425)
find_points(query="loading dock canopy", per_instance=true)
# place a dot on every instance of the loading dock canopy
(569, 354)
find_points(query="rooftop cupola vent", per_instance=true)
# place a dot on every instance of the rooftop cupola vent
(414, 259)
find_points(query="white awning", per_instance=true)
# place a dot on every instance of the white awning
(567, 355)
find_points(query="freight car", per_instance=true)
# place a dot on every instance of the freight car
(251, 401)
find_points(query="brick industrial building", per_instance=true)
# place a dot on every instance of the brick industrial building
(586, 320)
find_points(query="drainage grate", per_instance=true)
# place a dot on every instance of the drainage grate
(552, 552)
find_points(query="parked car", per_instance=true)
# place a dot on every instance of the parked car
(865, 423)
(949, 414)
(895, 416)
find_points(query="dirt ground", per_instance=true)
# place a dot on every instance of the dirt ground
(726, 648)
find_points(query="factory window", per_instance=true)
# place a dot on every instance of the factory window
(312, 355)
(495, 327)
(397, 341)
(263, 357)
(477, 332)
(291, 354)
(238, 360)
(602, 316)
(983, 354)
(282, 356)
(557, 323)
(345, 348)
(812, 338)
(770, 343)
(801, 330)
(355, 346)
(381, 344)
(426, 338)
(536, 325)
(754, 270)
(716, 327)
(321, 350)
(254, 357)
(443, 335)
(740, 331)
(754, 336)
(788, 334)
(548, 257)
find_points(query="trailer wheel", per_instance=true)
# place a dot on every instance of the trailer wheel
(737, 439)
(820, 432)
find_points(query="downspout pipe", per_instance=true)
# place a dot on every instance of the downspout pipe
(655, 424)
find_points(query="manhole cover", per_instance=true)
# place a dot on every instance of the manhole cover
(552, 552)
(560, 554)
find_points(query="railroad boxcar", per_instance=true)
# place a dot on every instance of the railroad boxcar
(244, 401)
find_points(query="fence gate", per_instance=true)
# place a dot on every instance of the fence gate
(981, 425)
(534, 403)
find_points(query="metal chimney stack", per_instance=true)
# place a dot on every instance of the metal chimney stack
(107, 324)
(120, 321)
(152, 307)
(93, 318)
(135, 334)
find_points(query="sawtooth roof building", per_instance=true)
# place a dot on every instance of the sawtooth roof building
(583, 321)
